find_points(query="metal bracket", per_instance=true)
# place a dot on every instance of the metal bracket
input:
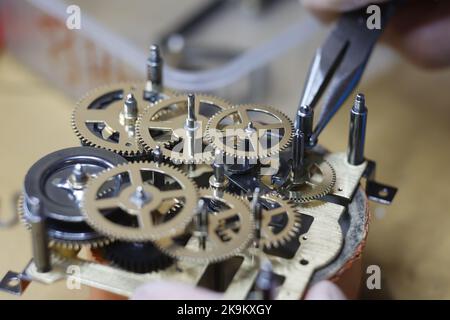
(14, 283)
(377, 191)
(380, 193)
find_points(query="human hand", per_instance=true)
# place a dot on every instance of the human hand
(161, 290)
(420, 29)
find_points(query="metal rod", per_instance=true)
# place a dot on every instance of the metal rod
(201, 223)
(41, 251)
(298, 157)
(265, 283)
(191, 125)
(304, 122)
(154, 70)
(130, 109)
(357, 135)
(257, 214)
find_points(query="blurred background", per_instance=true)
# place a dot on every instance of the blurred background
(244, 51)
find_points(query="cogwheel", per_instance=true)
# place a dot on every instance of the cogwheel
(99, 119)
(250, 131)
(142, 210)
(138, 257)
(280, 221)
(21, 211)
(77, 245)
(56, 227)
(163, 125)
(320, 182)
(229, 230)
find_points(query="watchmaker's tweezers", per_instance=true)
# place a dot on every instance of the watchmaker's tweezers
(341, 60)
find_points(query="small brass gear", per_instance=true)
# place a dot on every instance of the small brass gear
(137, 257)
(280, 221)
(143, 209)
(167, 119)
(98, 119)
(250, 131)
(320, 181)
(230, 230)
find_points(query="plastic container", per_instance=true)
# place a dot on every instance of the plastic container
(112, 43)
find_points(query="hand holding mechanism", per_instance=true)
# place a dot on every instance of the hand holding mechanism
(340, 63)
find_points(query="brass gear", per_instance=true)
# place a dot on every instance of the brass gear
(98, 120)
(320, 182)
(169, 116)
(143, 210)
(247, 128)
(72, 245)
(226, 237)
(275, 208)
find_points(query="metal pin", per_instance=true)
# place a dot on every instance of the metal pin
(158, 179)
(79, 175)
(191, 118)
(157, 154)
(140, 193)
(219, 157)
(130, 109)
(154, 70)
(304, 122)
(201, 223)
(41, 251)
(257, 214)
(298, 157)
(218, 181)
(219, 172)
(265, 282)
(357, 135)
(140, 197)
(191, 125)
(250, 127)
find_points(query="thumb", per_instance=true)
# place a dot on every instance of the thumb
(325, 290)
(164, 290)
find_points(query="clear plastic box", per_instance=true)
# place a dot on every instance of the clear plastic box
(271, 51)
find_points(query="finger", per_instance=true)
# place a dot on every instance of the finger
(338, 5)
(420, 32)
(325, 16)
(325, 290)
(162, 290)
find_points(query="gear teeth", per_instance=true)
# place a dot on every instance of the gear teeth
(211, 258)
(138, 235)
(144, 259)
(282, 145)
(291, 228)
(77, 245)
(148, 143)
(21, 211)
(299, 197)
(59, 243)
(88, 139)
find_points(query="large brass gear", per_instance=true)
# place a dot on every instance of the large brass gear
(243, 131)
(320, 181)
(155, 201)
(280, 221)
(226, 235)
(98, 119)
(168, 116)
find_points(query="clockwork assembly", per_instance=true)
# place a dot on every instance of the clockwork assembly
(188, 187)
